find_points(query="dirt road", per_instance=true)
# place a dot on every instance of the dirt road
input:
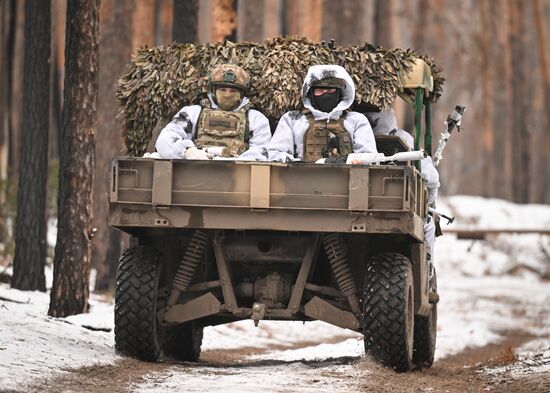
(485, 319)
(249, 369)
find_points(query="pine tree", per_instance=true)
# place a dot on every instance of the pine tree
(70, 289)
(30, 230)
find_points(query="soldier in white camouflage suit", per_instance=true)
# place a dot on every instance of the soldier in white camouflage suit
(326, 128)
(224, 122)
(385, 123)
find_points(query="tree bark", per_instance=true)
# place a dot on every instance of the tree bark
(224, 19)
(7, 46)
(70, 289)
(30, 230)
(163, 22)
(143, 24)
(341, 21)
(272, 18)
(185, 21)
(502, 100)
(7, 52)
(538, 14)
(114, 53)
(383, 24)
(16, 99)
(250, 23)
(520, 135)
(487, 130)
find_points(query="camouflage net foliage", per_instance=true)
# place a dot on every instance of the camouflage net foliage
(161, 80)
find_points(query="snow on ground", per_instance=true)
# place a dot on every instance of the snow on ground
(483, 293)
(533, 358)
(33, 345)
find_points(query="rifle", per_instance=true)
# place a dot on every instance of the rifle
(454, 119)
(378, 158)
(434, 212)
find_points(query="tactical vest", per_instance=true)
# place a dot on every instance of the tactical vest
(325, 139)
(229, 129)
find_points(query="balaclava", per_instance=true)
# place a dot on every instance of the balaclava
(326, 102)
(227, 101)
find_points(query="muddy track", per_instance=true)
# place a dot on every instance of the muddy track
(458, 373)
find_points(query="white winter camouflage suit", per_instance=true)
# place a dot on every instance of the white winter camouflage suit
(287, 143)
(385, 123)
(178, 134)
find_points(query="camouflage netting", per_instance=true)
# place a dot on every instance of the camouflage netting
(160, 80)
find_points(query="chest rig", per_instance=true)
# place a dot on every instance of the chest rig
(229, 129)
(325, 139)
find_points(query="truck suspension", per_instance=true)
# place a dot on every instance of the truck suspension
(336, 253)
(186, 270)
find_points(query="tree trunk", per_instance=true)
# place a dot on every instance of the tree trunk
(16, 99)
(70, 289)
(342, 21)
(520, 134)
(544, 188)
(30, 230)
(383, 24)
(8, 96)
(224, 19)
(143, 24)
(185, 21)
(250, 21)
(163, 22)
(114, 53)
(487, 130)
(304, 18)
(272, 18)
(7, 45)
(502, 112)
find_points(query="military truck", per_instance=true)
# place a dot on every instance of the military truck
(214, 242)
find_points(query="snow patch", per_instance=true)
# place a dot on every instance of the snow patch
(482, 295)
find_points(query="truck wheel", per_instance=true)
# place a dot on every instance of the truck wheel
(388, 311)
(184, 341)
(137, 332)
(425, 332)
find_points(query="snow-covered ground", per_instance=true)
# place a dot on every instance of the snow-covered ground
(487, 288)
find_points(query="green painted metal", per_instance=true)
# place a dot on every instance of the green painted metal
(428, 130)
(418, 101)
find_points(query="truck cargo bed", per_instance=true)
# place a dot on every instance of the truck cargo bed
(153, 193)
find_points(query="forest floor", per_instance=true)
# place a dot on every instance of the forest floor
(331, 359)
(233, 371)
(493, 333)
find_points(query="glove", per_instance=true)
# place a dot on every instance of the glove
(195, 154)
(181, 145)
(152, 155)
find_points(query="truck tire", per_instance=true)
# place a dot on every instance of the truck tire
(137, 332)
(183, 342)
(388, 311)
(425, 333)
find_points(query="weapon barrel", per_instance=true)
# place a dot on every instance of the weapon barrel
(407, 156)
(376, 158)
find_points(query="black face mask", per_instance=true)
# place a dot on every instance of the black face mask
(325, 102)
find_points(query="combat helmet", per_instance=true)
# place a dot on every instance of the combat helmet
(329, 83)
(228, 75)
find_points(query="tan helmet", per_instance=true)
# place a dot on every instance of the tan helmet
(228, 75)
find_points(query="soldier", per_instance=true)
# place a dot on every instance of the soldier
(385, 123)
(325, 128)
(224, 122)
